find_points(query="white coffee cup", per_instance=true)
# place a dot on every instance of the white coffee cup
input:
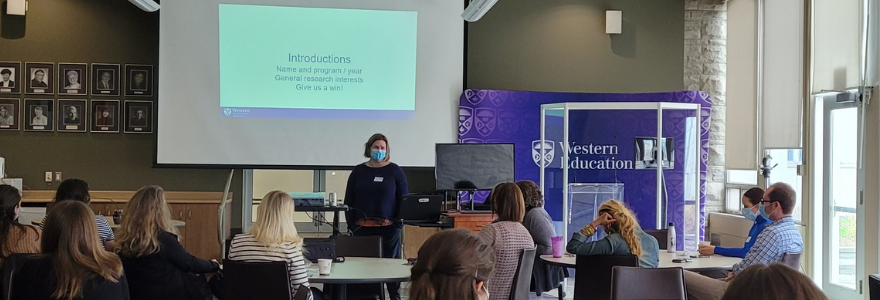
(705, 243)
(324, 266)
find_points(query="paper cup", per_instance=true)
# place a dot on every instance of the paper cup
(704, 243)
(324, 266)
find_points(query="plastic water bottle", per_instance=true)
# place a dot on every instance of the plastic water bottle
(670, 238)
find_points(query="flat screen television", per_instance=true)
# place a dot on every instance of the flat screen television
(473, 166)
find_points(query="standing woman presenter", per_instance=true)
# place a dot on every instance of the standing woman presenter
(374, 191)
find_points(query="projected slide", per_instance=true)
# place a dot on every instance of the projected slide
(317, 63)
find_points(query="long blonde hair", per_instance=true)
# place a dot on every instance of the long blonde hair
(145, 217)
(71, 236)
(626, 224)
(275, 225)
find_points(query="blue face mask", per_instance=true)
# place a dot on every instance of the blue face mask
(764, 214)
(377, 155)
(747, 212)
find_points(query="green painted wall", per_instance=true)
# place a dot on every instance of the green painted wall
(91, 31)
(561, 46)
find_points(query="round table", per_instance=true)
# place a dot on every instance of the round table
(715, 261)
(114, 226)
(361, 270)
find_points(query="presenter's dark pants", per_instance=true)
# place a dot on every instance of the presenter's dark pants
(390, 248)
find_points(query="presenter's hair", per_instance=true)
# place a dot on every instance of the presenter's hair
(450, 265)
(531, 194)
(626, 224)
(73, 189)
(71, 236)
(755, 195)
(373, 139)
(275, 225)
(145, 217)
(507, 202)
(776, 282)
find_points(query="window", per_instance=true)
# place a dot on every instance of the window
(787, 171)
(738, 182)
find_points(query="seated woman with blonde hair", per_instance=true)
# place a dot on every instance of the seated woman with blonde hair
(73, 264)
(273, 237)
(625, 236)
(157, 265)
(452, 265)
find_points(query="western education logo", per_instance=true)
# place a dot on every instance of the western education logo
(485, 121)
(465, 120)
(227, 111)
(601, 157)
(545, 156)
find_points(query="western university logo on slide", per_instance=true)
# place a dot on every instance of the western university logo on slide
(547, 156)
(465, 120)
(227, 111)
(485, 121)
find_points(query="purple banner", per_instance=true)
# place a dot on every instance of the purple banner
(605, 146)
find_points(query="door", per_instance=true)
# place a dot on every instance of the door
(841, 265)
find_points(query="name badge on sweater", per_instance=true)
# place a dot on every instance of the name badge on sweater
(748, 239)
(378, 179)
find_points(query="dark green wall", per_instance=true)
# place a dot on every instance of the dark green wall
(109, 31)
(561, 45)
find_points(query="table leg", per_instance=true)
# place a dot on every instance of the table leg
(335, 223)
(339, 291)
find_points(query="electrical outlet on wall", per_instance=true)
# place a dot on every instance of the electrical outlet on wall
(58, 176)
(48, 177)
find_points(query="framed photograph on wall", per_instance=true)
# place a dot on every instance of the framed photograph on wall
(9, 114)
(139, 80)
(39, 78)
(105, 116)
(38, 114)
(73, 115)
(73, 79)
(105, 80)
(138, 116)
(10, 77)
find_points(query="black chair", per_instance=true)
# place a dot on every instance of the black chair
(653, 283)
(793, 260)
(660, 234)
(592, 280)
(523, 277)
(874, 286)
(10, 266)
(243, 280)
(360, 246)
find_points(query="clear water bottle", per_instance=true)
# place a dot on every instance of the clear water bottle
(670, 238)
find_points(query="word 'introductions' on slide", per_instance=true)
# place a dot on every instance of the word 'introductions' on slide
(317, 63)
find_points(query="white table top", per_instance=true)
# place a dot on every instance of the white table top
(363, 270)
(714, 261)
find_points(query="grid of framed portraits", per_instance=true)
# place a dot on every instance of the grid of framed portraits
(76, 79)
(77, 115)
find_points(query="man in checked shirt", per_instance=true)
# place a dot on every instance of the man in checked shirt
(777, 239)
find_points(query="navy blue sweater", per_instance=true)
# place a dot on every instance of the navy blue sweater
(374, 192)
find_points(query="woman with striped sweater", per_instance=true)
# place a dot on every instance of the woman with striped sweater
(273, 237)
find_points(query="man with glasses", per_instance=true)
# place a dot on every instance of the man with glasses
(777, 239)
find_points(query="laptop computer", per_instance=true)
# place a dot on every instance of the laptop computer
(420, 208)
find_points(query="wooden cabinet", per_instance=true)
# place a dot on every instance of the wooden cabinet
(473, 222)
(197, 209)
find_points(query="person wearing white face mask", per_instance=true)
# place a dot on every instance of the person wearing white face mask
(16, 238)
(777, 239)
(373, 192)
(750, 201)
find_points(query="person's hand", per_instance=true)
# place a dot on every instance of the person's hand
(729, 276)
(707, 249)
(218, 263)
(603, 219)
